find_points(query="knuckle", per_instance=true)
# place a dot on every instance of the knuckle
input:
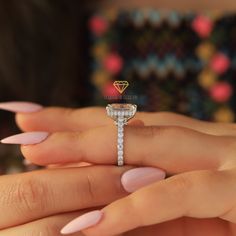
(28, 195)
(86, 191)
(46, 230)
(90, 187)
(179, 186)
(72, 136)
(163, 131)
(136, 207)
(51, 229)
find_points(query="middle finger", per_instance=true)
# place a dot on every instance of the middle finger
(91, 117)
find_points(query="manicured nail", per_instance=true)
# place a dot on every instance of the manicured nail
(139, 177)
(25, 107)
(82, 222)
(26, 138)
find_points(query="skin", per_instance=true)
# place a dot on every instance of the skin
(197, 199)
(41, 201)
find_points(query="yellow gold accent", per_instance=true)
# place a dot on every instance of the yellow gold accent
(121, 86)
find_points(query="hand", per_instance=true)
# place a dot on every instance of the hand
(40, 202)
(202, 164)
(212, 226)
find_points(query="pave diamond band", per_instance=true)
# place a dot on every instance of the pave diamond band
(120, 113)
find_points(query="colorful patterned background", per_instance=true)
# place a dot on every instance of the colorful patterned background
(180, 62)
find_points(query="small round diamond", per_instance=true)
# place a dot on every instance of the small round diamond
(120, 135)
(120, 122)
(120, 130)
(120, 140)
(120, 146)
(120, 163)
(120, 153)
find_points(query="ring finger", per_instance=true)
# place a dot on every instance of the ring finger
(174, 149)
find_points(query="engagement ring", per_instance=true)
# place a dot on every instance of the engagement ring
(121, 113)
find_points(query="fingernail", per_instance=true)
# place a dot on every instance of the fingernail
(26, 138)
(82, 222)
(25, 107)
(139, 177)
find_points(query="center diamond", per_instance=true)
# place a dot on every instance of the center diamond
(116, 110)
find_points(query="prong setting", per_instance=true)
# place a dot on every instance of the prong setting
(121, 113)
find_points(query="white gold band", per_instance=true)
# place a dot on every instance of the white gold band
(120, 113)
(120, 140)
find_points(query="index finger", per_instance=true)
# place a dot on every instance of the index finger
(53, 119)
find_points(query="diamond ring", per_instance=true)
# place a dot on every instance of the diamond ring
(121, 113)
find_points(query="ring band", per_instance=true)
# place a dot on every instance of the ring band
(121, 113)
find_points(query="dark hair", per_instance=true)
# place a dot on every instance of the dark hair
(43, 59)
(43, 51)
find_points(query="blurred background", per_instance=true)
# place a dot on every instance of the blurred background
(176, 56)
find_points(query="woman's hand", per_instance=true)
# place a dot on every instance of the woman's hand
(40, 202)
(202, 164)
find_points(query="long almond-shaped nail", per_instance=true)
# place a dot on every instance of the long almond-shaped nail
(82, 222)
(26, 138)
(139, 177)
(25, 107)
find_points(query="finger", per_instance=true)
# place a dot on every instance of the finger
(134, 122)
(81, 119)
(49, 226)
(29, 196)
(173, 149)
(184, 226)
(202, 194)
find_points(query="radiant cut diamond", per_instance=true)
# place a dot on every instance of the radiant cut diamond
(118, 110)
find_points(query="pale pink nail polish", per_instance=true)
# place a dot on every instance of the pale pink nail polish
(139, 177)
(82, 222)
(25, 107)
(26, 138)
